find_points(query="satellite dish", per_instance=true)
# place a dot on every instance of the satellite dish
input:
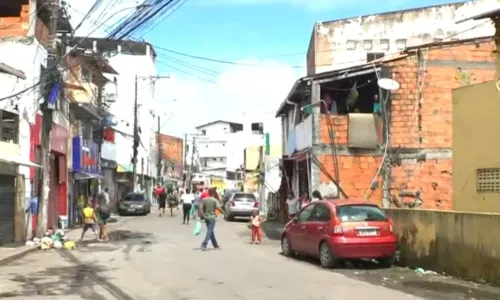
(388, 84)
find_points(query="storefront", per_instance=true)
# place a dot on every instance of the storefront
(58, 201)
(86, 173)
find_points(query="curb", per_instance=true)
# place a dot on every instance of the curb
(18, 255)
(29, 249)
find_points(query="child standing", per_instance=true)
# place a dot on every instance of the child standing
(89, 220)
(256, 221)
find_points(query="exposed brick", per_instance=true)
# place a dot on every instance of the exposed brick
(339, 127)
(432, 178)
(356, 175)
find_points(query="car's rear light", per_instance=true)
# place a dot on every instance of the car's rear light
(391, 229)
(337, 229)
(256, 204)
(232, 203)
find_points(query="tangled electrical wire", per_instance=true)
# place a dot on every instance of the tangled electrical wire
(146, 16)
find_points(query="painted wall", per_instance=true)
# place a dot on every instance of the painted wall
(475, 126)
(172, 154)
(343, 43)
(458, 244)
(28, 56)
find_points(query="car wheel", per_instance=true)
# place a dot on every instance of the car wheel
(229, 218)
(387, 262)
(326, 258)
(286, 247)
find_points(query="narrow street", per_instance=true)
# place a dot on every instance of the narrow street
(157, 258)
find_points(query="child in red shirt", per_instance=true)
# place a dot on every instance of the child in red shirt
(256, 221)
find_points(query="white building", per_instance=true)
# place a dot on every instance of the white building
(135, 65)
(343, 43)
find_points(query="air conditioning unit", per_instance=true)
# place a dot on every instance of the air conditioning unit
(110, 98)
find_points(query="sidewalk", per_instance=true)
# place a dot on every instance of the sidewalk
(10, 253)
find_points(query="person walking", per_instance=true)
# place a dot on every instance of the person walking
(207, 212)
(292, 205)
(162, 201)
(89, 220)
(196, 203)
(103, 214)
(187, 202)
(172, 200)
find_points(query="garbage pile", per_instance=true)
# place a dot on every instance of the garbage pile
(52, 239)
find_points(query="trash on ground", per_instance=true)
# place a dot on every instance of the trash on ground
(421, 271)
(52, 239)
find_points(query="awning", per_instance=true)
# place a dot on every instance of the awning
(16, 160)
(86, 176)
(123, 169)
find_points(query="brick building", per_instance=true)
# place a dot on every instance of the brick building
(172, 149)
(325, 127)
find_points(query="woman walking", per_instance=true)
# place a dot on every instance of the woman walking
(162, 201)
(187, 202)
(172, 200)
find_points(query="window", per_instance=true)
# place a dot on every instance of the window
(305, 214)
(351, 45)
(134, 197)
(9, 123)
(368, 44)
(321, 213)
(401, 44)
(360, 213)
(488, 180)
(384, 44)
(374, 55)
(244, 197)
(214, 159)
(204, 132)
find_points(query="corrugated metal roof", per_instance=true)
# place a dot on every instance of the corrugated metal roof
(5, 68)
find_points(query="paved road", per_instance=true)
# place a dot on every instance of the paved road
(158, 258)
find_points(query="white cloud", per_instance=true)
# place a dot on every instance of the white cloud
(242, 94)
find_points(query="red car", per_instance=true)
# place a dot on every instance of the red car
(336, 230)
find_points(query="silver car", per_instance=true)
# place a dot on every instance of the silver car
(240, 204)
(134, 204)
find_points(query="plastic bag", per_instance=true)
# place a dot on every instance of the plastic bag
(192, 210)
(197, 228)
(69, 245)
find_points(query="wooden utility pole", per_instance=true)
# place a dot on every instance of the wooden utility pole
(190, 179)
(51, 88)
(136, 140)
(160, 154)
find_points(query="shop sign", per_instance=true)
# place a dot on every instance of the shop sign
(86, 156)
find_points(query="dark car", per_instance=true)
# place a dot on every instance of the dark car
(134, 204)
(337, 230)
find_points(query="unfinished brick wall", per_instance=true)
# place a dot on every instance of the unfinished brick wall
(339, 126)
(356, 175)
(439, 80)
(430, 125)
(15, 25)
(18, 26)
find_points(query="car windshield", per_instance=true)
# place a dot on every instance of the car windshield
(134, 197)
(360, 213)
(244, 197)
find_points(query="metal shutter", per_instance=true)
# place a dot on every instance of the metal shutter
(7, 209)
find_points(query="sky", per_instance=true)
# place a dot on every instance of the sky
(270, 35)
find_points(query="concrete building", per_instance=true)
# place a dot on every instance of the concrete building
(339, 44)
(134, 62)
(22, 59)
(402, 161)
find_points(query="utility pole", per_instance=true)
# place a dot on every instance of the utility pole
(190, 179)
(136, 140)
(51, 88)
(160, 153)
(136, 128)
(184, 164)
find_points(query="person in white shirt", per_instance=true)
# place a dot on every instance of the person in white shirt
(316, 196)
(292, 205)
(187, 202)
